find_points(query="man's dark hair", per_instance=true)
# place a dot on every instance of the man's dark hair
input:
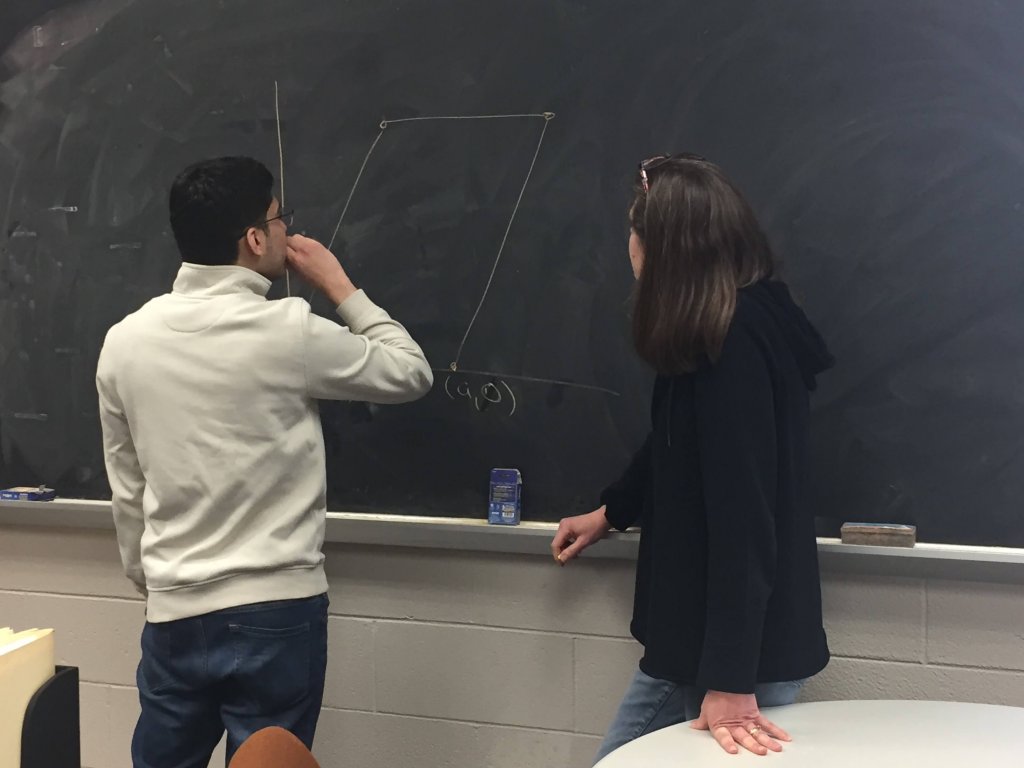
(213, 203)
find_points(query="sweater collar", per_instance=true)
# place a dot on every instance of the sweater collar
(203, 281)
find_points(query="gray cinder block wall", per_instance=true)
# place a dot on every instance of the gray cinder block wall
(463, 659)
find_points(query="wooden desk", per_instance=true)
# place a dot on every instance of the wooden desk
(852, 734)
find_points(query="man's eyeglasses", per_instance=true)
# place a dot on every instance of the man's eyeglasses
(652, 163)
(286, 216)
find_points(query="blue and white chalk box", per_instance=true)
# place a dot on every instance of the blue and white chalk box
(506, 497)
(28, 493)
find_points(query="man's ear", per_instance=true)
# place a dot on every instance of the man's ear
(255, 241)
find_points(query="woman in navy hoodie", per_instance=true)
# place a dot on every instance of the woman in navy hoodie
(728, 599)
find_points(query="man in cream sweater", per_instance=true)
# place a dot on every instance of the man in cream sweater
(215, 456)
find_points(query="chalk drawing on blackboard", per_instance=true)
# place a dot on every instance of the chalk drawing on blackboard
(492, 392)
(384, 123)
(529, 379)
(548, 116)
(457, 386)
(280, 171)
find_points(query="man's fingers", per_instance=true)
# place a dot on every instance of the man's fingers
(700, 724)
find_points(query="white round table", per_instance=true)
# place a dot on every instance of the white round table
(852, 734)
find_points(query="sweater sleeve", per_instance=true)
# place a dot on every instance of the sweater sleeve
(374, 359)
(127, 483)
(737, 444)
(624, 499)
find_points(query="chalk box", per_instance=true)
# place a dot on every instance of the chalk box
(28, 493)
(506, 497)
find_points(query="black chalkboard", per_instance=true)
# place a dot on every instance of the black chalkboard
(879, 141)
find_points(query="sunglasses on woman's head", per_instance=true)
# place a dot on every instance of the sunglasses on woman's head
(651, 163)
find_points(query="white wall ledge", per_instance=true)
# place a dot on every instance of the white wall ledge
(949, 561)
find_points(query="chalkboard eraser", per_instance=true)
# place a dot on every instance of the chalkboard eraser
(879, 534)
(28, 493)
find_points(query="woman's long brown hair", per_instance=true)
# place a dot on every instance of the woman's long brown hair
(701, 244)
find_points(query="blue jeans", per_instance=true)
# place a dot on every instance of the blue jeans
(651, 704)
(240, 670)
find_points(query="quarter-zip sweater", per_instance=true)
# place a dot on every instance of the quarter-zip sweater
(212, 437)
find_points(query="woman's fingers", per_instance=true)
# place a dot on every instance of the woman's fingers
(725, 740)
(772, 729)
(748, 740)
(561, 540)
(764, 738)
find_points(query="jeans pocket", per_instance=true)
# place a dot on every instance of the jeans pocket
(272, 664)
(155, 673)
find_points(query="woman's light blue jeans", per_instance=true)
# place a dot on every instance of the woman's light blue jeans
(651, 704)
